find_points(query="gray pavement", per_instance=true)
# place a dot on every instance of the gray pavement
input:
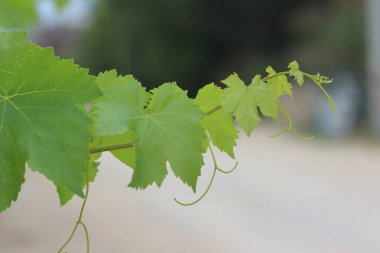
(286, 196)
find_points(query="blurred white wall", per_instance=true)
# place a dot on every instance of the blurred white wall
(373, 61)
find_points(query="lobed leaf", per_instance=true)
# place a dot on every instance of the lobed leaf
(294, 71)
(40, 122)
(219, 125)
(243, 101)
(166, 124)
(279, 83)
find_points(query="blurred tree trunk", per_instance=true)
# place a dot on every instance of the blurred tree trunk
(373, 62)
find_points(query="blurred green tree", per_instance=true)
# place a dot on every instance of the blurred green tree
(191, 41)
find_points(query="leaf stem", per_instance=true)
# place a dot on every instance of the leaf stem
(131, 145)
(110, 148)
(274, 75)
(215, 109)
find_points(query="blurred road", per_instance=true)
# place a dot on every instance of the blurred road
(287, 195)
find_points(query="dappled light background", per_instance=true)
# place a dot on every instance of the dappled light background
(287, 195)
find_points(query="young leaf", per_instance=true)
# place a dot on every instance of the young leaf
(40, 122)
(219, 125)
(243, 101)
(279, 83)
(294, 70)
(167, 128)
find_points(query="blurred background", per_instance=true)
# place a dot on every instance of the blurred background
(287, 195)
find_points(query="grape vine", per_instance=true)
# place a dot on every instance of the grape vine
(58, 119)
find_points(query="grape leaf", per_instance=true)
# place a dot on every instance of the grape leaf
(118, 92)
(40, 122)
(167, 128)
(294, 70)
(64, 194)
(279, 83)
(17, 12)
(243, 101)
(219, 125)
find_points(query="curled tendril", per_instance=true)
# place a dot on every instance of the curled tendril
(290, 128)
(319, 81)
(216, 168)
(228, 171)
(329, 98)
(80, 222)
(202, 196)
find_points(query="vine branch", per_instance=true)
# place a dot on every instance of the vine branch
(110, 148)
(131, 144)
(268, 77)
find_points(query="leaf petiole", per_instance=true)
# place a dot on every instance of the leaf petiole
(131, 145)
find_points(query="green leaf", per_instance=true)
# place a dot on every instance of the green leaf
(243, 101)
(17, 12)
(294, 70)
(167, 128)
(219, 125)
(13, 46)
(118, 91)
(279, 83)
(64, 194)
(265, 96)
(40, 122)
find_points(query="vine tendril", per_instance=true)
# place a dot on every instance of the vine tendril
(228, 171)
(216, 168)
(290, 128)
(202, 196)
(80, 222)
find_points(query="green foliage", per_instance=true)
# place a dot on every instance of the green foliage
(279, 83)
(166, 124)
(17, 12)
(219, 125)
(294, 70)
(243, 101)
(44, 123)
(40, 121)
(89, 175)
